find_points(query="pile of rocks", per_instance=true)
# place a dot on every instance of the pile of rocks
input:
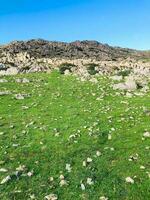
(81, 58)
(41, 55)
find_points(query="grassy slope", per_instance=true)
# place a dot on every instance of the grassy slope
(66, 104)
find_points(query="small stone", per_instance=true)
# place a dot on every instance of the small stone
(62, 177)
(19, 97)
(112, 149)
(1, 133)
(21, 168)
(146, 135)
(3, 170)
(103, 198)
(68, 167)
(109, 137)
(82, 186)
(89, 181)
(84, 163)
(98, 153)
(142, 167)
(25, 107)
(133, 157)
(129, 180)
(112, 129)
(15, 145)
(89, 160)
(32, 196)
(63, 183)
(51, 179)
(3, 81)
(6, 179)
(51, 197)
(30, 174)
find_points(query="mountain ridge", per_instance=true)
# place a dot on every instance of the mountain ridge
(40, 48)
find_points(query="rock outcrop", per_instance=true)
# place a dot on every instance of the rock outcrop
(74, 50)
(41, 55)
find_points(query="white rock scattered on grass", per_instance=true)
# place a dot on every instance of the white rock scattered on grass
(63, 183)
(6, 179)
(32, 196)
(2, 162)
(116, 78)
(133, 157)
(2, 93)
(15, 145)
(19, 97)
(89, 160)
(84, 164)
(68, 167)
(109, 137)
(1, 133)
(25, 107)
(51, 197)
(103, 198)
(30, 174)
(3, 170)
(112, 129)
(57, 134)
(98, 153)
(146, 134)
(21, 168)
(3, 81)
(112, 149)
(24, 80)
(61, 177)
(90, 181)
(148, 173)
(142, 167)
(82, 186)
(128, 94)
(51, 179)
(129, 180)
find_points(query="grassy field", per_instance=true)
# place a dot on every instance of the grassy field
(77, 140)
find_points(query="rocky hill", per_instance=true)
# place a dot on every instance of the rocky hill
(42, 55)
(75, 50)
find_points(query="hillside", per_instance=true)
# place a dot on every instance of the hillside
(41, 55)
(64, 139)
(78, 128)
(74, 50)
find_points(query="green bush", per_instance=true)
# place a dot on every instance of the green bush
(91, 68)
(124, 73)
(65, 66)
(25, 68)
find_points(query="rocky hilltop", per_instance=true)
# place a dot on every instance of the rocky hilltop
(81, 58)
(75, 50)
(42, 55)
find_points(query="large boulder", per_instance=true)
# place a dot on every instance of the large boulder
(129, 84)
(116, 78)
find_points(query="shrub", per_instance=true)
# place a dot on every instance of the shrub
(25, 68)
(91, 68)
(124, 73)
(65, 66)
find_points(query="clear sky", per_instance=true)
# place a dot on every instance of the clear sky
(123, 23)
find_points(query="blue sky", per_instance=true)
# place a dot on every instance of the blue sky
(123, 23)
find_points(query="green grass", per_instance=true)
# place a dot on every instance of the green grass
(64, 105)
(146, 60)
